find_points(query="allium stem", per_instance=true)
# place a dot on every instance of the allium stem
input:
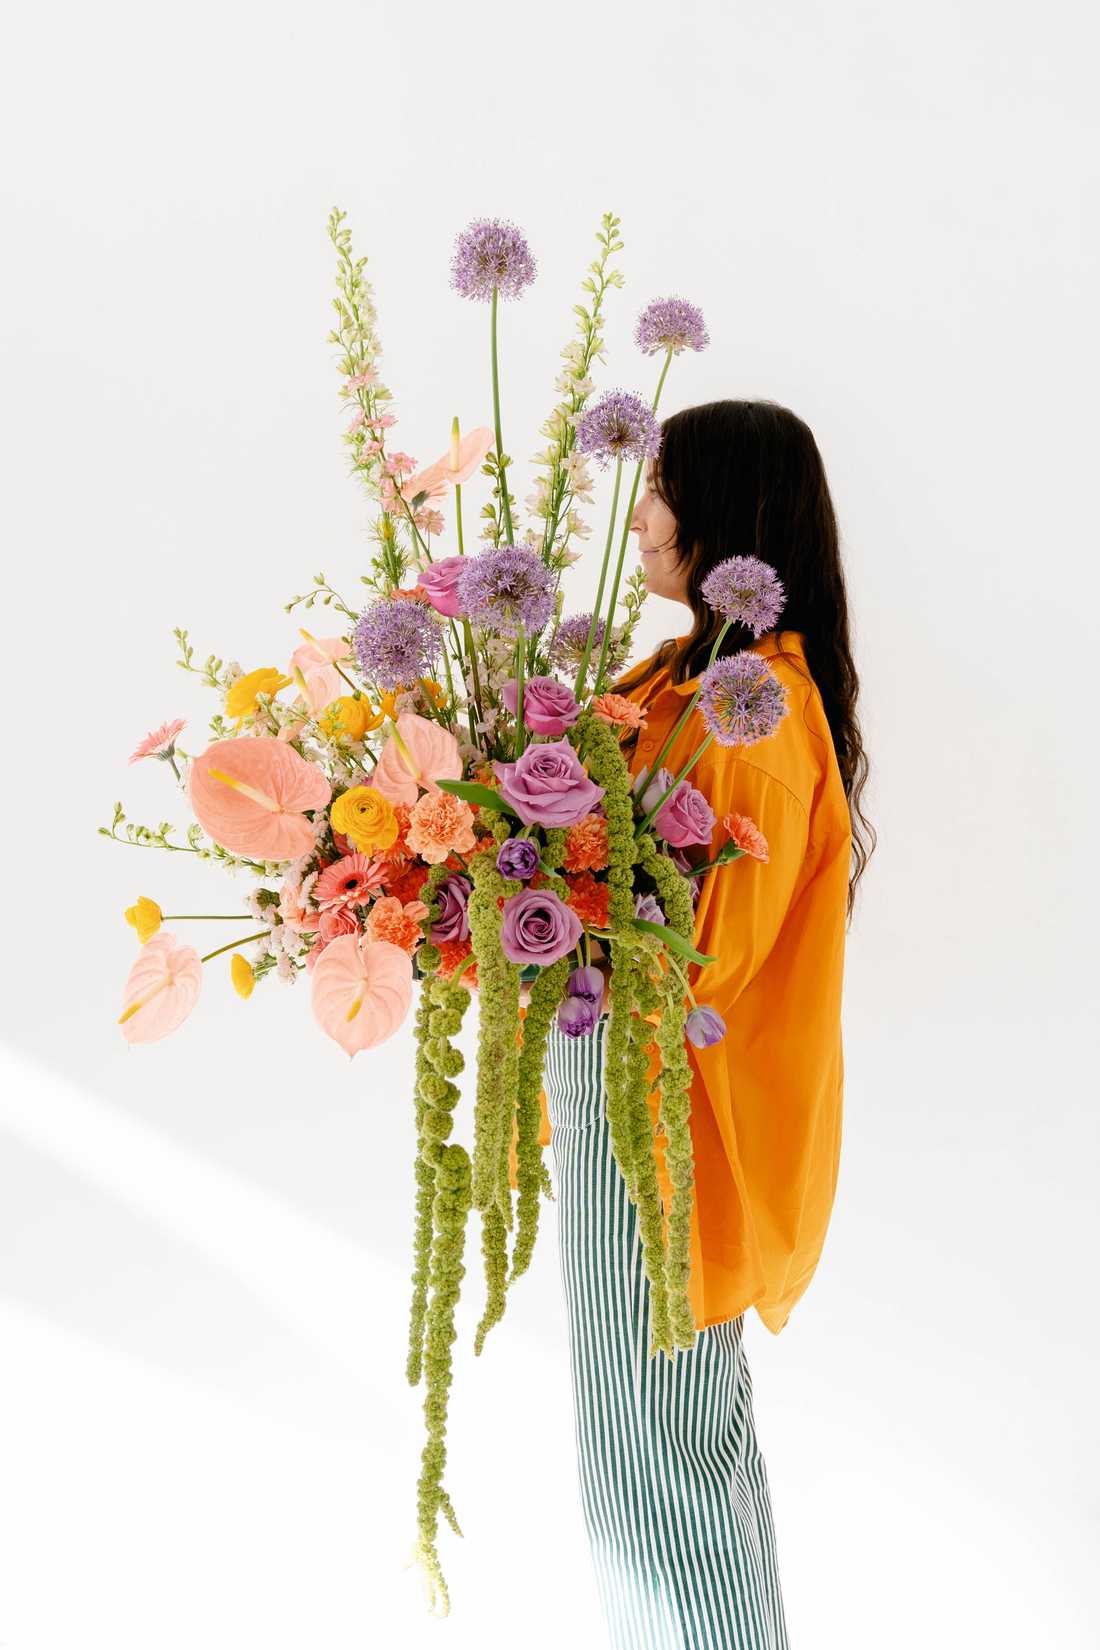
(682, 723)
(521, 731)
(578, 690)
(474, 712)
(504, 499)
(614, 596)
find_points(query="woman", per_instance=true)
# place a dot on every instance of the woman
(673, 1484)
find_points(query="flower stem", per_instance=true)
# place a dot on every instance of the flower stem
(505, 502)
(614, 595)
(521, 731)
(244, 939)
(682, 723)
(684, 771)
(578, 690)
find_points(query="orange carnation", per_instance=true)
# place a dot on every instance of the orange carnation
(588, 898)
(390, 920)
(747, 835)
(618, 711)
(441, 824)
(451, 954)
(586, 845)
(408, 882)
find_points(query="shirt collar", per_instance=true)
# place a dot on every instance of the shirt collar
(767, 646)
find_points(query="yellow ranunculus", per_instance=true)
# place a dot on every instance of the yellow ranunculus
(366, 818)
(351, 716)
(144, 917)
(240, 700)
(388, 706)
(242, 975)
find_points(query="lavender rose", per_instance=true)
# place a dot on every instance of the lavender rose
(651, 790)
(454, 921)
(548, 707)
(577, 1016)
(538, 928)
(439, 583)
(518, 858)
(547, 785)
(704, 1026)
(686, 817)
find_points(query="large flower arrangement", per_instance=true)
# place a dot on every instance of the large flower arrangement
(443, 803)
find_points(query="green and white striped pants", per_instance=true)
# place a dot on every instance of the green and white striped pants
(673, 1485)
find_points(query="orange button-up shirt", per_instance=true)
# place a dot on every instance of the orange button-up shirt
(766, 1101)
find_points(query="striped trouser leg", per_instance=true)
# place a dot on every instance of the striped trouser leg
(673, 1485)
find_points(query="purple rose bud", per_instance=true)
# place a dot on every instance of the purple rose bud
(439, 583)
(548, 707)
(647, 907)
(686, 817)
(547, 785)
(518, 858)
(538, 928)
(578, 1017)
(652, 790)
(454, 920)
(586, 983)
(704, 1026)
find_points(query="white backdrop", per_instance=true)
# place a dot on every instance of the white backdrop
(207, 1435)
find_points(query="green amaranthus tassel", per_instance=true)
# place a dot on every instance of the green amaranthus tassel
(546, 994)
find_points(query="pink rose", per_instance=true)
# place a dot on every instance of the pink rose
(548, 707)
(547, 785)
(685, 818)
(438, 583)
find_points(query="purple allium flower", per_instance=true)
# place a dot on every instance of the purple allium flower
(670, 323)
(647, 906)
(454, 920)
(502, 589)
(619, 425)
(741, 699)
(396, 641)
(518, 858)
(567, 648)
(538, 927)
(704, 1027)
(586, 983)
(491, 252)
(745, 588)
(578, 1016)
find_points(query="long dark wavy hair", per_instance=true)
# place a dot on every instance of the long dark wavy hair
(746, 478)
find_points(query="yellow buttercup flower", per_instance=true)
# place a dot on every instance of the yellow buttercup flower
(145, 917)
(350, 716)
(366, 817)
(242, 975)
(240, 700)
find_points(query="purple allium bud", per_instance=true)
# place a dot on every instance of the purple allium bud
(587, 983)
(567, 648)
(619, 426)
(518, 858)
(648, 908)
(502, 589)
(491, 252)
(578, 1016)
(747, 589)
(670, 323)
(704, 1027)
(396, 641)
(741, 699)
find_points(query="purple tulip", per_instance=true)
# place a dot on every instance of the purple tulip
(454, 920)
(518, 858)
(586, 983)
(548, 707)
(547, 785)
(704, 1026)
(578, 1017)
(538, 928)
(647, 907)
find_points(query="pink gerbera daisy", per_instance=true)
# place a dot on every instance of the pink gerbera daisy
(348, 881)
(161, 743)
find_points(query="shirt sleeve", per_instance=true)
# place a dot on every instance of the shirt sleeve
(742, 905)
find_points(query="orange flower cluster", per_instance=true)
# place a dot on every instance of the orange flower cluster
(588, 898)
(399, 853)
(409, 881)
(586, 845)
(451, 954)
(390, 920)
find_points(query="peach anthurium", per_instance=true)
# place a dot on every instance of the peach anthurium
(456, 466)
(313, 669)
(361, 990)
(161, 989)
(415, 755)
(250, 796)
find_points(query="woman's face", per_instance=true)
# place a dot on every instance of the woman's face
(655, 526)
